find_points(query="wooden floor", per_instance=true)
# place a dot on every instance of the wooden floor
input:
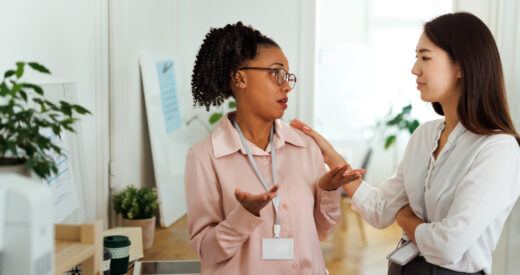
(344, 251)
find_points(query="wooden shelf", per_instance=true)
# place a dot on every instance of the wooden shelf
(79, 244)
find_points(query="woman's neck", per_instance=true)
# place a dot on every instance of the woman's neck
(451, 116)
(255, 129)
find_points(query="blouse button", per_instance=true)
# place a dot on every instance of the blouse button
(294, 266)
(284, 206)
(289, 235)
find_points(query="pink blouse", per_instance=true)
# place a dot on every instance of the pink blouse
(226, 236)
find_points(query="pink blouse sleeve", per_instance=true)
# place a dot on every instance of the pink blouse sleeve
(213, 236)
(326, 208)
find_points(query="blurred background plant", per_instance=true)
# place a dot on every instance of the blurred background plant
(136, 203)
(403, 121)
(24, 113)
(215, 116)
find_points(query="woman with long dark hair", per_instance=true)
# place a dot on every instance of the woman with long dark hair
(460, 175)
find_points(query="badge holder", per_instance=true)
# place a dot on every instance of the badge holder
(404, 254)
(277, 248)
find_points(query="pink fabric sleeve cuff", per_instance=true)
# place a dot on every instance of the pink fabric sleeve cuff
(242, 220)
(329, 200)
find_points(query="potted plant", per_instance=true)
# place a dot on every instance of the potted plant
(24, 113)
(137, 206)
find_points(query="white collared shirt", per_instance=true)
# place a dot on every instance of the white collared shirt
(465, 195)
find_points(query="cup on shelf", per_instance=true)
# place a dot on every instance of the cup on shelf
(119, 246)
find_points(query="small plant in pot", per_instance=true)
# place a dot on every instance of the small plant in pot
(24, 115)
(138, 206)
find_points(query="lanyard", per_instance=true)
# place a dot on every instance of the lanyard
(275, 177)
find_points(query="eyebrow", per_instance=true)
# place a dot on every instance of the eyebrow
(276, 63)
(423, 50)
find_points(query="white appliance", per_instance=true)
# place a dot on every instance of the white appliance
(26, 227)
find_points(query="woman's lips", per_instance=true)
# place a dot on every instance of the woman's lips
(419, 85)
(283, 102)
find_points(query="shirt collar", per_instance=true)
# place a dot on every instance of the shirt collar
(454, 137)
(225, 139)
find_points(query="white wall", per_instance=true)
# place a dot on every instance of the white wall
(68, 38)
(178, 28)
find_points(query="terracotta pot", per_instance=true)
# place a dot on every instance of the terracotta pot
(148, 229)
(15, 169)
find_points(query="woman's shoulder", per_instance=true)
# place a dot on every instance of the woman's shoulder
(297, 137)
(501, 139)
(201, 148)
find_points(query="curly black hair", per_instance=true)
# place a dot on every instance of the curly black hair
(222, 51)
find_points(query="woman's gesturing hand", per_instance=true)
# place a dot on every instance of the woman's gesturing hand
(255, 203)
(340, 176)
(331, 157)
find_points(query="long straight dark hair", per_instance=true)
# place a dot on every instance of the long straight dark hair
(482, 107)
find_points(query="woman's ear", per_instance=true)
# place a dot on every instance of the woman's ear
(460, 73)
(238, 79)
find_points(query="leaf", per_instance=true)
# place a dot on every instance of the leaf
(19, 70)
(80, 109)
(407, 109)
(215, 117)
(24, 95)
(53, 106)
(9, 73)
(232, 104)
(16, 88)
(389, 141)
(65, 108)
(39, 68)
(3, 89)
(413, 126)
(396, 120)
(36, 88)
(12, 147)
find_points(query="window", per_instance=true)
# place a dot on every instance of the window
(366, 50)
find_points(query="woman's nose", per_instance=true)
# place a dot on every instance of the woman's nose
(286, 87)
(415, 69)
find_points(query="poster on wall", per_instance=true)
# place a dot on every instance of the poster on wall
(63, 183)
(168, 89)
(168, 135)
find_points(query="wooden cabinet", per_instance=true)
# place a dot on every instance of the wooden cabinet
(79, 244)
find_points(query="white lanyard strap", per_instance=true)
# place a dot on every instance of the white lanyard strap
(275, 174)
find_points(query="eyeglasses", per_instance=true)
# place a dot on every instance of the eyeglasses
(280, 74)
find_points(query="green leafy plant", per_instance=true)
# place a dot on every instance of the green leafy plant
(214, 117)
(24, 112)
(134, 203)
(400, 122)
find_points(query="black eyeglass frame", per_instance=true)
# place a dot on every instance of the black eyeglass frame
(277, 71)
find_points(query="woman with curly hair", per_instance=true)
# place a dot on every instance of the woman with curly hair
(259, 198)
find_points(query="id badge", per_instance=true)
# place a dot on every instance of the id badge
(404, 254)
(277, 249)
